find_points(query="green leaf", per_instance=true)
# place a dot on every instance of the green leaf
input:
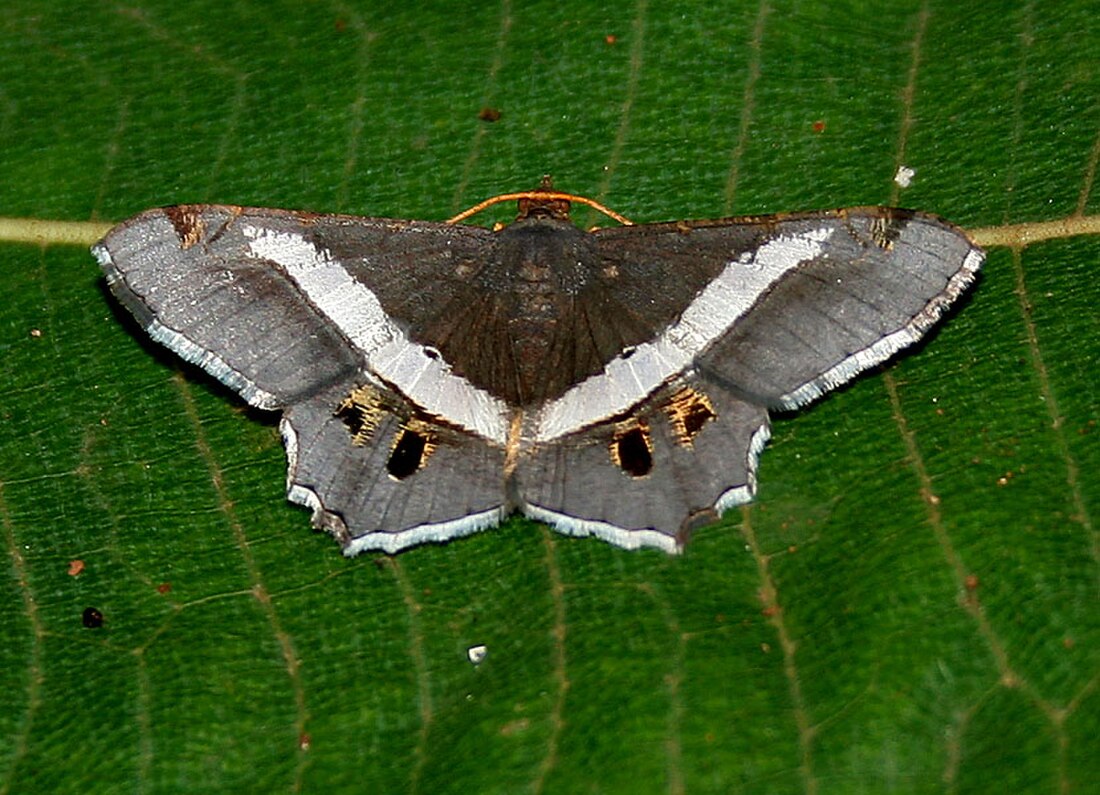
(909, 606)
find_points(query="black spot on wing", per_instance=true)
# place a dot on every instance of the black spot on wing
(408, 454)
(632, 452)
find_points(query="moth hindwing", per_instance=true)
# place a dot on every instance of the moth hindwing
(434, 377)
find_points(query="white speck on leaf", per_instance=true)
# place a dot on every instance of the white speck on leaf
(904, 176)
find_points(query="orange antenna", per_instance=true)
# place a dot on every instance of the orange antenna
(540, 195)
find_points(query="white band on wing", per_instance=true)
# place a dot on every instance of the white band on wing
(634, 374)
(425, 379)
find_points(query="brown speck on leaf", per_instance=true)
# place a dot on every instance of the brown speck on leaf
(304, 741)
(610, 38)
(75, 567)
(766, 648)
(770, 610)
(489, 114)
(971, 584)
(514, 726)
(819, 126)
(340, 25)
(164, 587)
(1068, 642)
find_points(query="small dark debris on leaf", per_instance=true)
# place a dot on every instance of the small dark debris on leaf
(489, 114)
(92, 618)
(164, 587)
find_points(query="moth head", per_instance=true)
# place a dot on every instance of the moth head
(542, 207)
